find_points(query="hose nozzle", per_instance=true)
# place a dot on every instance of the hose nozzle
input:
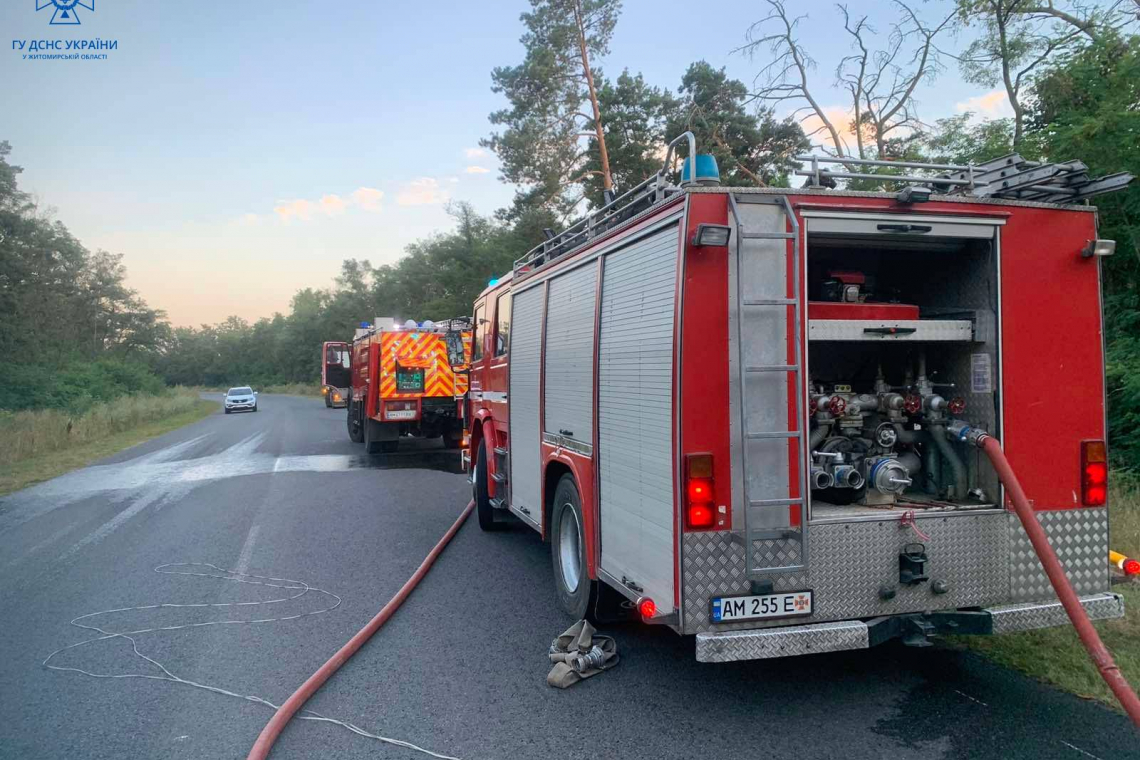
(959, 431)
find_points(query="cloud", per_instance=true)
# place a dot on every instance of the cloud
(474, 152)
(991, 105)
(453, 180)
(421, 192)
(840, 118)
(294, 209)
(331, 204)
(368, 198)
(476, 170)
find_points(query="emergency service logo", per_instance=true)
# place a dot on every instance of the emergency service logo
(66, 11)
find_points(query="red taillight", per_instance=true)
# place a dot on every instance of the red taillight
(1094, 473)
(646, 607)
(700, 490)
(700, 513)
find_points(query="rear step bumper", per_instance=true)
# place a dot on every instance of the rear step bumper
(789, 641)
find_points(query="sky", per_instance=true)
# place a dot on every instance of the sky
(235, 152)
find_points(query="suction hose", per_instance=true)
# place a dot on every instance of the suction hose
(1098, 653)
(276, 725)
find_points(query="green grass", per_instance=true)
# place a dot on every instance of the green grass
(40, 445)
(1055, 655)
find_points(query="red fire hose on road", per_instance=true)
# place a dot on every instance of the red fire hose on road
(1072, 604)
(277, 723)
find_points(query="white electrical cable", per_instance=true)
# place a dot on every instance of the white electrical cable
(229, 575)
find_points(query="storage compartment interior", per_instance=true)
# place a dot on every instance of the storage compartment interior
(902, 346)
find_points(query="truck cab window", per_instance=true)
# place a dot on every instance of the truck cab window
(480, 332)
(503, 331)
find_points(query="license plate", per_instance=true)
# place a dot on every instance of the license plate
(403, 414)
(730, 609)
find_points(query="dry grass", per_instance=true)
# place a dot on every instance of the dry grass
(1055, 655)
(42, 444)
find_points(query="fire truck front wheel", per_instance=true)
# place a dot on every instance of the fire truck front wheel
(576, 592)
(488, 520)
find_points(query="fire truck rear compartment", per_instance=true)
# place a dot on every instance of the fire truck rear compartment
(902, 338)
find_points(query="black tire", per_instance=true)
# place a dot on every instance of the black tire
(227, 411)
(255, 407)
(488, 519)
(577, 594)
(355, 429)
(328, 403)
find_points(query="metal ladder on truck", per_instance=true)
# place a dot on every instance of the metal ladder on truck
(771, 550)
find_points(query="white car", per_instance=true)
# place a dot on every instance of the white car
(241, 398)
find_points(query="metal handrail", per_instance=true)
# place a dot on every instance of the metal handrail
(816, 173)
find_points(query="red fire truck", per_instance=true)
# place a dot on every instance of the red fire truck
(404, 383)
(747, 410)
(336, 373)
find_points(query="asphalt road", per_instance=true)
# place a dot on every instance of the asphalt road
(459, 670)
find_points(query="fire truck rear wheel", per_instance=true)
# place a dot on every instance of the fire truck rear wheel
(577, 593)
(488, 520)
(355, 429)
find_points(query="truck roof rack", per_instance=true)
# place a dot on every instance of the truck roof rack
(622, 208)
(1009, 177)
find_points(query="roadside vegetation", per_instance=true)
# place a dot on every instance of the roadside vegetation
(1055, 655)
(285, 389)
(43, 443)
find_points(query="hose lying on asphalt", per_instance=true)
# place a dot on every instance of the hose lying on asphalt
(289, 708)
(1098, 652)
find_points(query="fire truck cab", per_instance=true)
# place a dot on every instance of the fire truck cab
(336, 373)
(744, 409)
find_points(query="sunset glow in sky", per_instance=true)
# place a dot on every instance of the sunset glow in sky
(237, 152)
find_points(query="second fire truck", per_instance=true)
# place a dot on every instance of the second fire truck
(405, 381)
(759, 414)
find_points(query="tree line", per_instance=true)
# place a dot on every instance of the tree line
(570, 136)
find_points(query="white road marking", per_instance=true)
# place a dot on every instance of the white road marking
(247, 551)
(1078, 749)
(155, 479)
(113, 524)
(972, 699)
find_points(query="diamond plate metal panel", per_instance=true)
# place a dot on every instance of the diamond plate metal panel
(850, 562)
(1030, 615)
(777, 552)
(1080, 538)
(781, 642)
